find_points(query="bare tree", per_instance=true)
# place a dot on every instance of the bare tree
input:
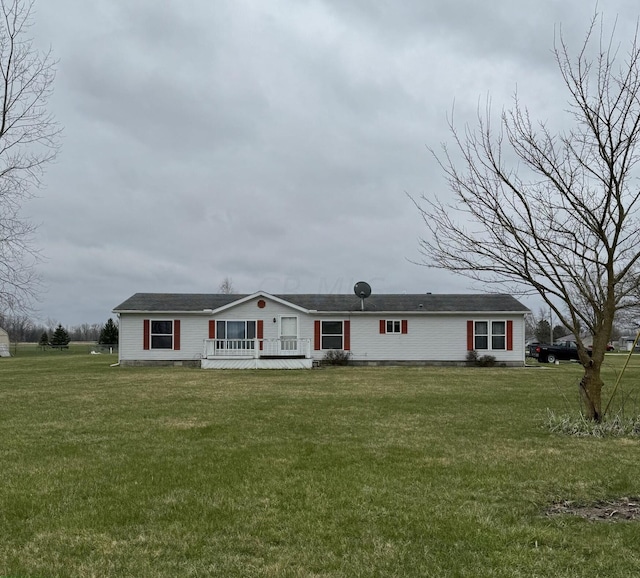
(29, 139)
(85, 332)
(562, 220)
(530, 323)
(226, 287)
(18, 326)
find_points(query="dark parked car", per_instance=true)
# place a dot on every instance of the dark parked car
(561, 350)
(531, 349)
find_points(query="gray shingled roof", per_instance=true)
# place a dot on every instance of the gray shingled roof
(192, 302)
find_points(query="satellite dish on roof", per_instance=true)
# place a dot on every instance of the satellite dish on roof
(362, 289)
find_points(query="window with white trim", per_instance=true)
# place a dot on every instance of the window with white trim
(331, 334)
(481, 335)
(235, 334)
(498, 335)
(490, 335)
(394, 326)
(161, 334)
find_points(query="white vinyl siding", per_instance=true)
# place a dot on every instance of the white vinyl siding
(431, 337)
(437, 337)
(131, 337)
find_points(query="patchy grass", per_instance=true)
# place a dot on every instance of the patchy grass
(576, 425)
(340, 472)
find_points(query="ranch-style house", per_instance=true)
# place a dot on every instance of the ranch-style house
(262, 330)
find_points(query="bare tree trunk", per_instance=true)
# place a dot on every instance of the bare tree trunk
(591, 392)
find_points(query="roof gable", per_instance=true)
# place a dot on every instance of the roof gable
(256, 296)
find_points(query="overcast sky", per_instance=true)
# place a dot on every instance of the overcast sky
(269, 141)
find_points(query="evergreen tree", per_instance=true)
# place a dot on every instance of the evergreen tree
(60, 337)
(559, 331)
(44, 340)
(109, 333)
(543, 331)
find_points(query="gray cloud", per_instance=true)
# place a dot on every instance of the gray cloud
(269, 142)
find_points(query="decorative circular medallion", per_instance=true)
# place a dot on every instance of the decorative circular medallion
(262, 304)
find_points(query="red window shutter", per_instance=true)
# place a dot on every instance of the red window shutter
(383, 326)
(176, 335)
(405, 326)
(316, 335)
(347, 335)
(510, 335)
(260, 332)
(469, 335)
(212, 328)
(145, 333)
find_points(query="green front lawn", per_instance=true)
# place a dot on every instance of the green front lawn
(166, 472)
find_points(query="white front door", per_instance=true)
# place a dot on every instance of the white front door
(288, 335)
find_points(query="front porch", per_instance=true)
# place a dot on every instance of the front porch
(256, 354)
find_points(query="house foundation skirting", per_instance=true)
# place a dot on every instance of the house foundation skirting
(258, 363)
(424, 363)
(293, 363)
(159, 362)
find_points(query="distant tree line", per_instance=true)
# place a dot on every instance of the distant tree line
(22, 329)
(538, 328)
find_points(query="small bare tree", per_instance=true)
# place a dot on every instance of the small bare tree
(226, 287)
(29, 139)
(563, 220)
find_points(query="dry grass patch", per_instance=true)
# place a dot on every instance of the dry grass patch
(623, 509)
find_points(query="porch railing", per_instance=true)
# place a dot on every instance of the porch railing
(256, 348)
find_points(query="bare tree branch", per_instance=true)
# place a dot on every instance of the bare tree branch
(29, 140)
